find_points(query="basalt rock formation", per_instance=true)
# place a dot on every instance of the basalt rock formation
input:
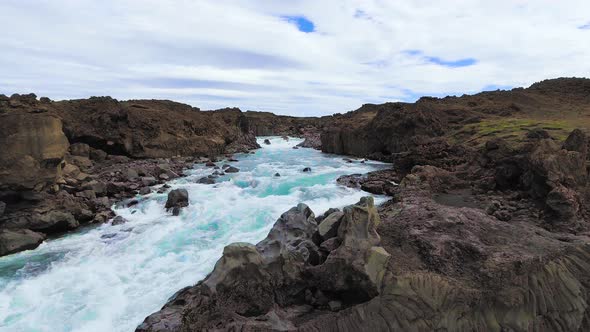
(486, 229)
(64, 164)
(295, 272)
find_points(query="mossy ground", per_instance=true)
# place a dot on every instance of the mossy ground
(512, 129)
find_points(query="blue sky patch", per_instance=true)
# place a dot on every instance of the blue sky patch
(585, 26)
(440, 61)
(301, 22)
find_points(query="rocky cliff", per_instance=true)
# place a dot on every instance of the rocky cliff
(487, 228)
(63, 164)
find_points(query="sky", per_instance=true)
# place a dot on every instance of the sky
(297, 57)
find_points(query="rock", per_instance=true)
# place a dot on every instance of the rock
(33, 148)
(80, 149)
(577, 141)
(97, 155)
(267, 142)
(210, 164)
(132, 202)
(231, 169)
(330, 245)
(295, 148)
(118, 220)
(144, 190)
(2, 208)
(54, 221)
(277, 175)
(327, 213)
(177, 198)
(225, 166)
(328, 228)
(206, 180)
(348, 160)
(87, 194)
(307, 169)
(131, 174)
(538, 134)
(335, 305)
(563, 202)
(149, 181)
(285, 138)
(12, 241)
(164, 177)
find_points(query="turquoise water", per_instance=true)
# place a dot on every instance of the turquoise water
(87, 281)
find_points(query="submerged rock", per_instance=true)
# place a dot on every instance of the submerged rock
(232, 169)
(206, 180)
(177, 198)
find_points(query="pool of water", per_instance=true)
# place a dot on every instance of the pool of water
(109, 278)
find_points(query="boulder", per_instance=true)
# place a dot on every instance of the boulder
(118, 220)
(80, 149)
(267, 141)
(144, 190)
(54, 221)
(97, 155)
(277, 175)
(206, 180)
(12, 241)
(232, 169)
(307, 169)
(177, 198)
(210, 164)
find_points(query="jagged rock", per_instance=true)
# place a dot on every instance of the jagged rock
(177, 198)
(577, 141)
(307, 169)
(328, 228)
(12, 241)
(563, 202)
(263, 287)
(144, 190)
(232, 169)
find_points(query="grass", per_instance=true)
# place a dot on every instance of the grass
(511, 129)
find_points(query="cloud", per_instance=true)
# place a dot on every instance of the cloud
(253, 54)
(585, 26)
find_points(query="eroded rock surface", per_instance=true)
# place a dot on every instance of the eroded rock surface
(275, 284)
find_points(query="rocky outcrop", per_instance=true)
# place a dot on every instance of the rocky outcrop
(33, 148)
(271, 285)
(64, 164)
(12, 241)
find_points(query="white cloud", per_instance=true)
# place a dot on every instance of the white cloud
(256, 60)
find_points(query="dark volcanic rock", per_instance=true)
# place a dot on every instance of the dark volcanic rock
(232, 169)
(264, 287)
(206, 180)
(177, 198)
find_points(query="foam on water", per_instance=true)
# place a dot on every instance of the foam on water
(109, 278)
